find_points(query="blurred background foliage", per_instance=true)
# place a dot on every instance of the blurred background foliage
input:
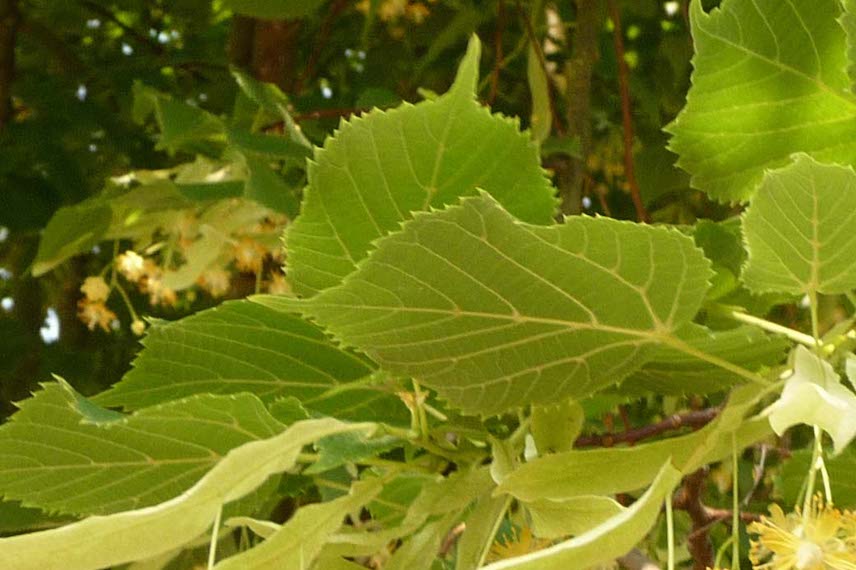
(141, 125)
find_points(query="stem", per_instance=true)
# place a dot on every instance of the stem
(670, 533)
(212, 550)
(679, 344)
(720, 553)
(815, 321)
(816, 452)
(626, 113)
(735, 505)
(127, 300)
(774, 328)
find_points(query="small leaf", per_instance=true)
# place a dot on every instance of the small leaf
(296, 544)
(541, 121)
(796, 230)
(555, 427)
(480, 529)
(814, 395)
(576, 515)
(613, 537)
(71, 230)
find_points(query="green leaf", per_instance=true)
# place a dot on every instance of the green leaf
(614, 537)
(673, 372)
(417, 552)
(15, 518)
(71, 230)
(556, 519)
(770, 79)
(848, 22)
(382, 166)
(495, 314)
(541, 119)
(814, 395)
(447, 496)
(797, 230)
(574, 473)
(245, 347)
(480, 530)
(273, 9)
(840, 469)
(268, 188)
(54, 455)
(298, 542)
(345, 448)
(98, 542)
(555, 427)
(183, 127)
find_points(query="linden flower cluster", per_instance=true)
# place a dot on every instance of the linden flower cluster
(92, 309)
(823, 539)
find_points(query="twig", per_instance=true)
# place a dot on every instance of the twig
(9, 18)
(626, 113)
(107, 14)
(694, 419)
(498, 55)
(689, 500)
(320, 42)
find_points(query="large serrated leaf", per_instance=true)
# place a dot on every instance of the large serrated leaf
(496, 314)
(54, 455)
(379, 168)
(770, 79)
(798, 230)
(244, 347)
(104, 541)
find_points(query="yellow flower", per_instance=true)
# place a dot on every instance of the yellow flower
(95, 314)
(138, 327)
(131, 265)
(522, 542)
(95, 289)
(822, 540)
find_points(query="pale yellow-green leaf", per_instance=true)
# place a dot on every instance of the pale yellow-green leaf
(555, 427)
(610, 539)
(576, 515)
(541, 119)
(480, 529)
(102, 541)
(297, 543)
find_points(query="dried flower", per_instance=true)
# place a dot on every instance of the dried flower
(215, 281)
(822, 540)
(95, 289)
(131, 265)
(278, 285)
(249, 255)
(159, 294)
(95, 314)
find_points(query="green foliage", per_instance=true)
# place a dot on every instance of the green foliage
(763, 89)
(380, 168)
(425, 388)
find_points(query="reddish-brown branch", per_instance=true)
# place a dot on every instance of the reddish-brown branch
(689, 500)
(626, 113)
(694, 419)
(326, 113)
(498, 55)
(320, 42)
(9, 19)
